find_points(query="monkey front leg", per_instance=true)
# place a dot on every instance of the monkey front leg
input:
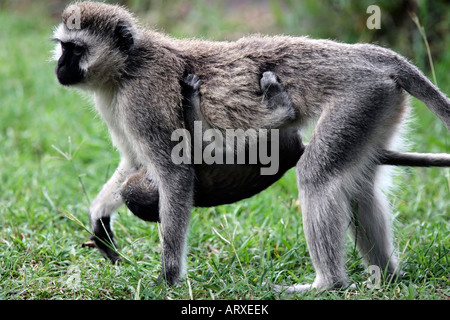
(175, 205)
(104, 205)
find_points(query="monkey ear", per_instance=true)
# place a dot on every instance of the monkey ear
(123, 36)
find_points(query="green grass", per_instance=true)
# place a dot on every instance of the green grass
(55, 154)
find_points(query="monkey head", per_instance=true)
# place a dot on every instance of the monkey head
(93, 43)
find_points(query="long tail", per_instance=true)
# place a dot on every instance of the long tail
(415, 83)
(412, 159)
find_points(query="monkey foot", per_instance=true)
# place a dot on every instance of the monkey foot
(300, 288)
(297, 288)
(107, 252)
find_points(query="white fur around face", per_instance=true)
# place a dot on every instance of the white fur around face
(78, 37)
(56, 52)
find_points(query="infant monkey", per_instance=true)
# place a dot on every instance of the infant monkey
(218, 184)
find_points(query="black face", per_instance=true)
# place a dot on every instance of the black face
(68, 69)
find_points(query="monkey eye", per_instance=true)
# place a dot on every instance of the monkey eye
(78, 50)
(75, 48)
(64, 46)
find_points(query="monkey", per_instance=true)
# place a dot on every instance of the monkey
(356, 93)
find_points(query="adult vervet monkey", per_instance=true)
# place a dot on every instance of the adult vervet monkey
(357, 93)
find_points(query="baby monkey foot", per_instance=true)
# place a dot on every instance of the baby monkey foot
(270, 79)
(277, 97)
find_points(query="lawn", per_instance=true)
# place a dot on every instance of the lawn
(55, 154)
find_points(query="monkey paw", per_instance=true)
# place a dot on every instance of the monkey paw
(193, 81)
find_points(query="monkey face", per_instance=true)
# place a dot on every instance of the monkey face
(84, 59)
(68, 68)
(91, 52)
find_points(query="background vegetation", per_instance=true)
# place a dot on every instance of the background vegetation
(55, 154)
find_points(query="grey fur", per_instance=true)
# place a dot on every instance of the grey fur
(355, 91)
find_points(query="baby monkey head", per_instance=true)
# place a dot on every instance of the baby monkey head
(93, 43)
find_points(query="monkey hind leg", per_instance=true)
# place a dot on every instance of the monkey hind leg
(371, 227)
(331, 172)
(280, 110)
(325, 211)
